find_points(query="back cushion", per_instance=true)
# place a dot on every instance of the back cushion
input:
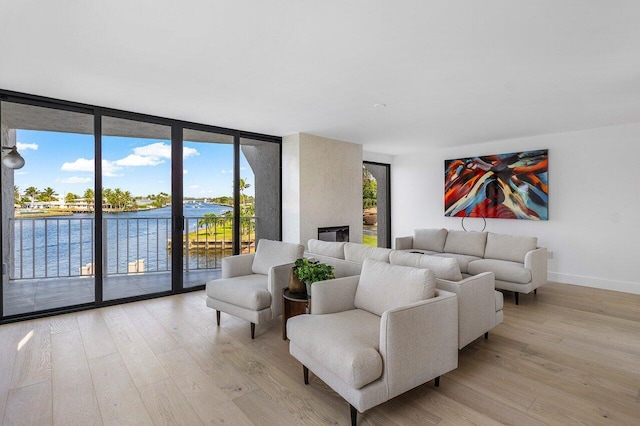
(272, 253)
(383, 286)
(404, 258)
(469, 243)
(429, 239)
(509, 247)
(359, 252)
(445, 268)
(327, 248)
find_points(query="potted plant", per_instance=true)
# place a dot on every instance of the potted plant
(310, 271)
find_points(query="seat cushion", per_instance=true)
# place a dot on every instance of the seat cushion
(359, 252)
(246, 291)
(430, 239)
(504, 270)
(347, 343)
(383, 286)
(327, 248)
(462, 259)
(509, 247)
(273, 253)
(469, 243)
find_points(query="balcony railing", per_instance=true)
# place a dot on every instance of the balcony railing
(65, 247)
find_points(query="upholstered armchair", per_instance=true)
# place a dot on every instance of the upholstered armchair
(375, 336)
(251, 284)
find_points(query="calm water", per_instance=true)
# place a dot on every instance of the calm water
(59, 246)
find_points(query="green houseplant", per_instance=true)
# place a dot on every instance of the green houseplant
(310, 271)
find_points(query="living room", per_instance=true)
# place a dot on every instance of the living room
(409, 85)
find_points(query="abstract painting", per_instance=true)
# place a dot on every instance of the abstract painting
(505, 186)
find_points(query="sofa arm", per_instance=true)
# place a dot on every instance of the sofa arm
(404, 243)
(277, 279)
(476, 305)
(335, 295)
(418, 342)
(235, 266)
(536, 262)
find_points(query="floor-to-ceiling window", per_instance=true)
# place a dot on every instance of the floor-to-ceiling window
(47, 220)
(114, 205)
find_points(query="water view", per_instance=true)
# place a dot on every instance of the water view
(137, 241)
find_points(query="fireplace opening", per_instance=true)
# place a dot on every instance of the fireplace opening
(334, 233)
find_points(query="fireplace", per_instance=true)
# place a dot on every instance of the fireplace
(334, 233)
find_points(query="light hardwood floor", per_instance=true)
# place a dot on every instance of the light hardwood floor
(570, 355)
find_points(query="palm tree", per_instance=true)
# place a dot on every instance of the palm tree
(70, 198)
(243, 186)
(208, 221)
(31, 192)
(48, 194)
(89, 196)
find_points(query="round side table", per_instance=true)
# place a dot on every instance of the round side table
(293, 304)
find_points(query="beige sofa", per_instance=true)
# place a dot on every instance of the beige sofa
(374, 336)
(480, 306)
(518, 264)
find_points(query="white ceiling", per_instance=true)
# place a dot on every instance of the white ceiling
(452, 72)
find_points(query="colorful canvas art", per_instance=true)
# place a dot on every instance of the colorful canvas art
(505, 186)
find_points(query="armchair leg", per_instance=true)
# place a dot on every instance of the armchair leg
(218, 318)
(486, 335)
(354, 415)
(253, 331)
(516, 294)
(437, 382)
(535, 291)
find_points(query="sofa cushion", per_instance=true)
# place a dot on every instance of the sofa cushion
(469, 243)
(327, 248)
(462, 259)
(445, 268)
(347, 343)
(254, 295)
(504, 270)
(405, 258)
(272, 253)
(509, 247)
(383, 286)
(429, 239)
(359, 252)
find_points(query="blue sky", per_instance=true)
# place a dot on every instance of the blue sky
(64, 161)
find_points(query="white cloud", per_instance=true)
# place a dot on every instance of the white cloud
(75, 179)
(224, 172)
(162, 150)
(25, 146)
(80, 165)
(189, 152)
(137, 160)
(21, 172)
(109, 168)
(194, 186)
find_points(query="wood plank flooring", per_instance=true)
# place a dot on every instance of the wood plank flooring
(569, 355)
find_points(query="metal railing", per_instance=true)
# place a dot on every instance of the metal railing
(65, 247)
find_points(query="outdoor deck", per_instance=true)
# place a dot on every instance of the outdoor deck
(24, 296)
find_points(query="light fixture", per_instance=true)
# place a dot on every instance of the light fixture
(13, 159)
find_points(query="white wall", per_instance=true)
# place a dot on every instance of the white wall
(321, 186)
(594, 202)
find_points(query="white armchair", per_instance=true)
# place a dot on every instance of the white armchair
(375, 336)
(251, 284)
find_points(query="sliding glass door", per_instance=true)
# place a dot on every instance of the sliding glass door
(47, 220)
(136, 208)
(207, 204)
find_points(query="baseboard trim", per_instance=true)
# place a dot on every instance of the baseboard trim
(622, 286)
